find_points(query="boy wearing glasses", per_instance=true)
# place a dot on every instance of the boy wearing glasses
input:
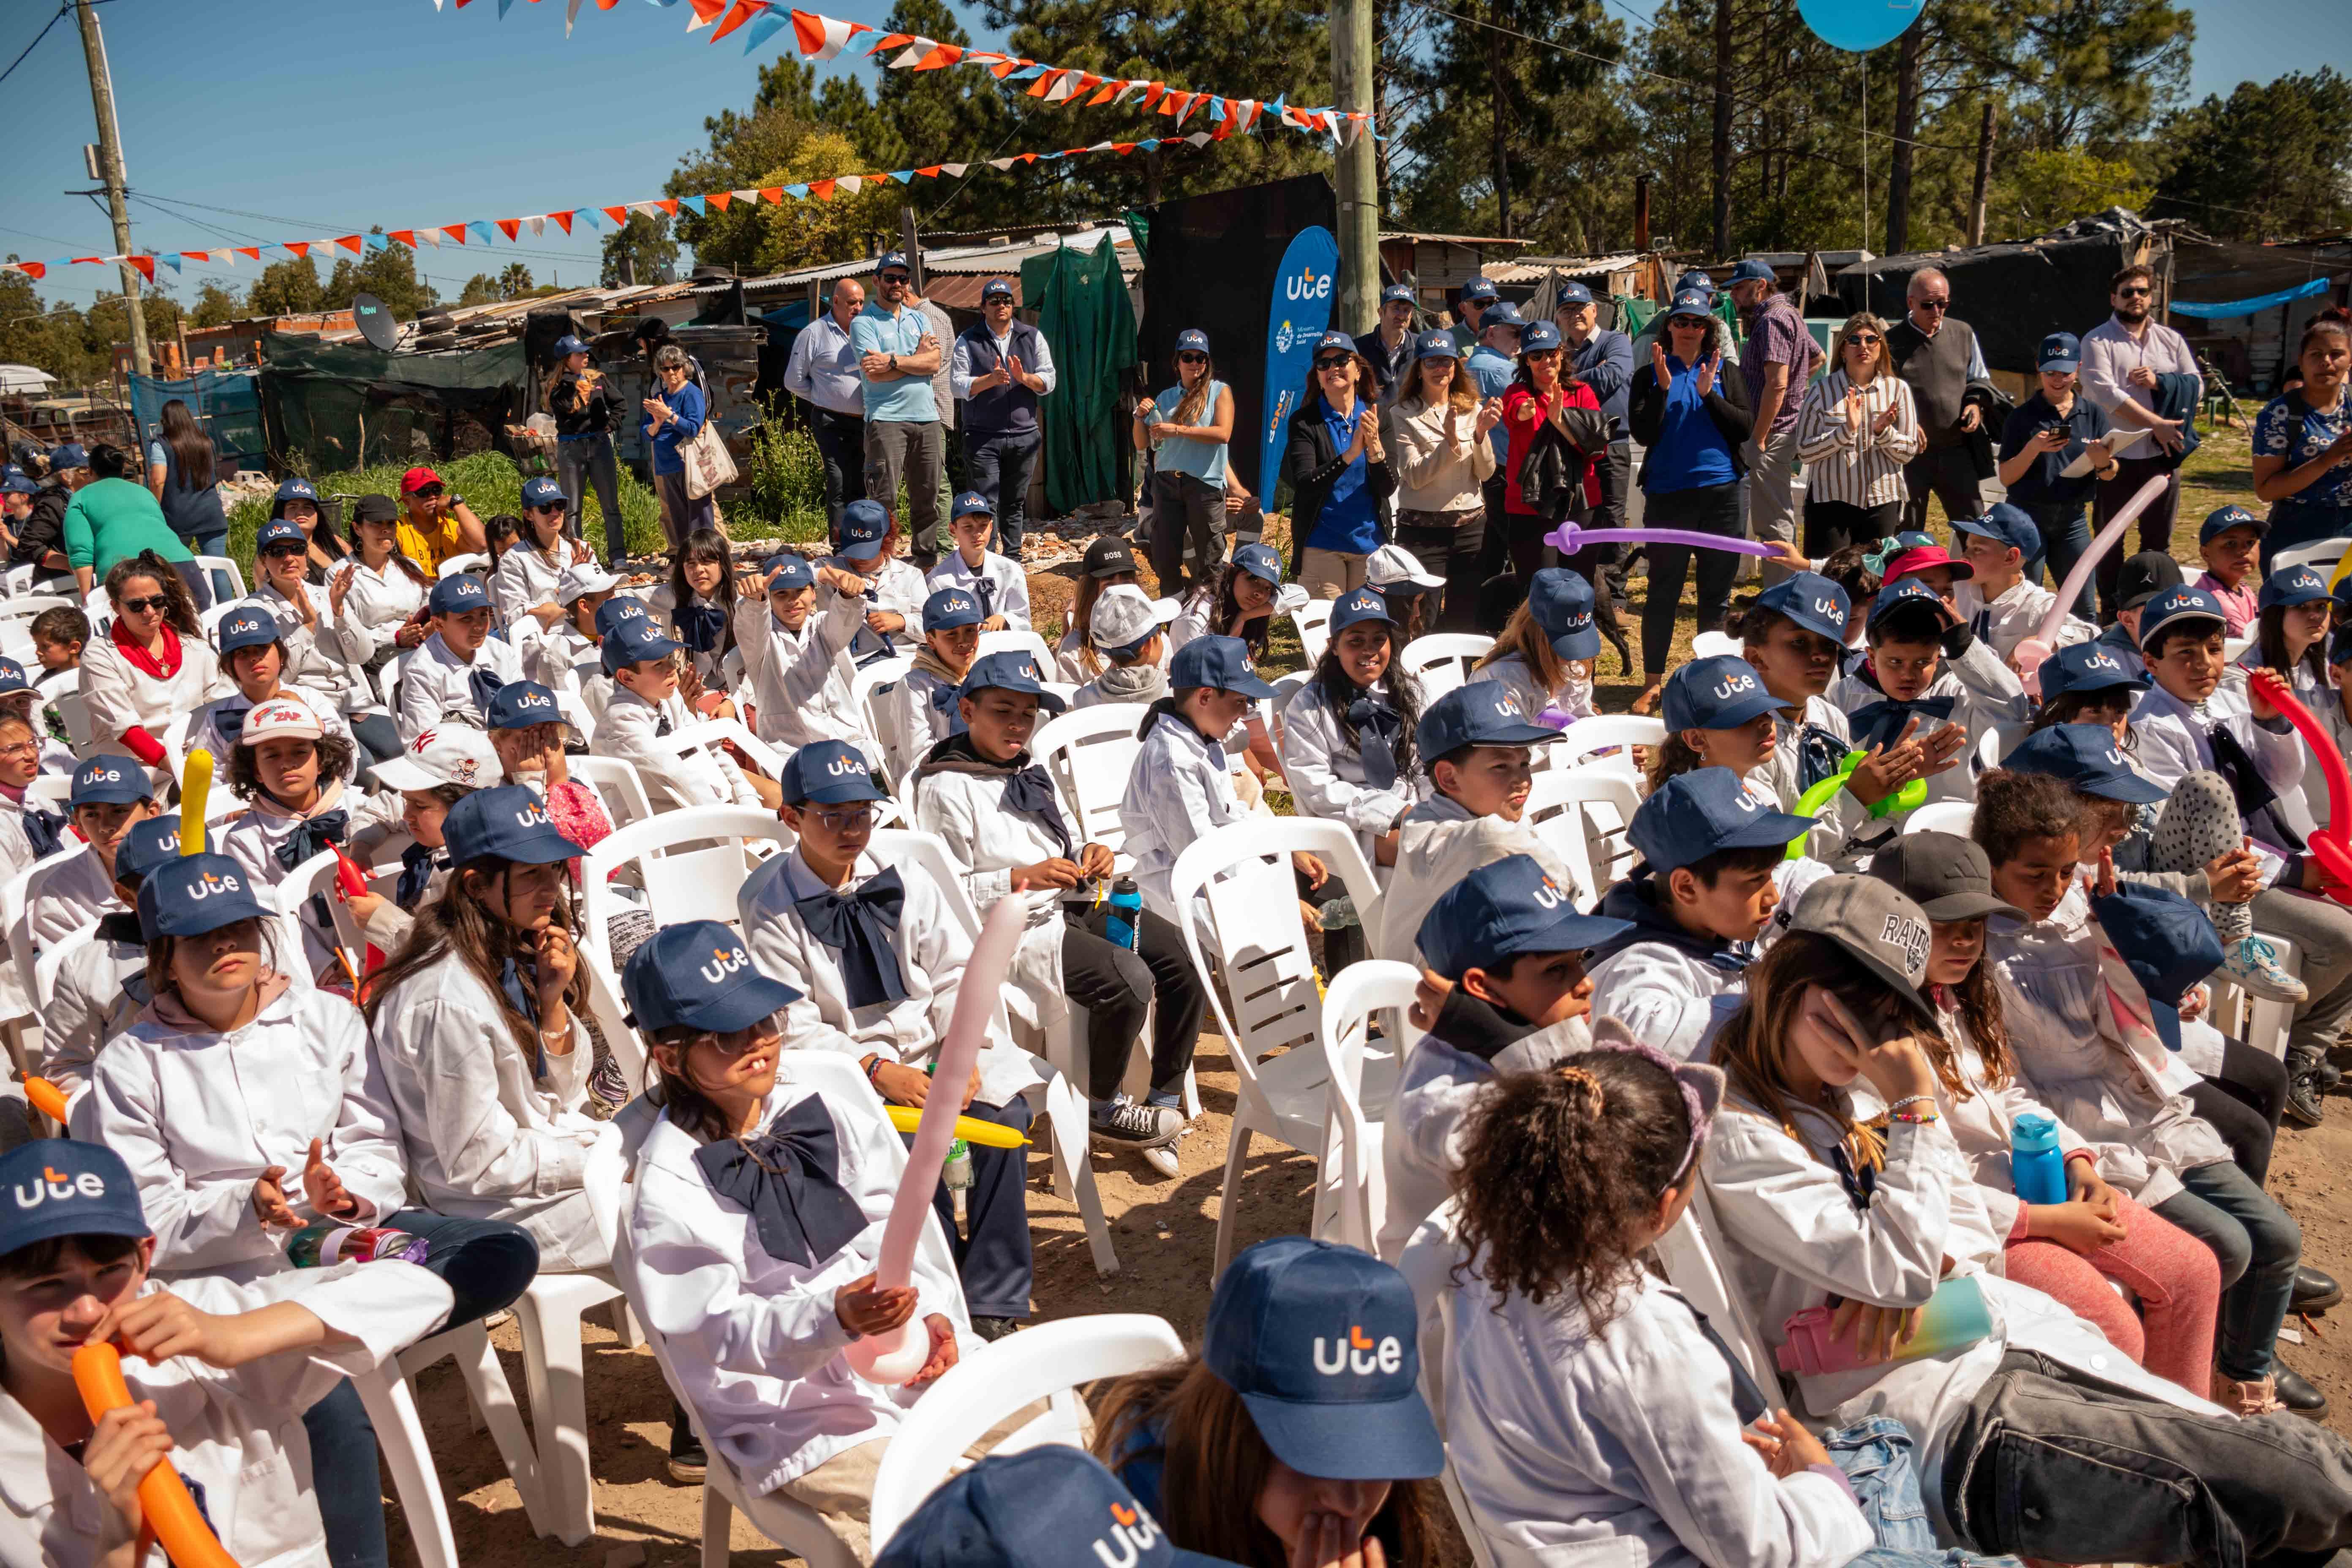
(434, 524)
(2143, 374)
(878, 959)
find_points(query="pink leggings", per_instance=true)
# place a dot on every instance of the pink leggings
(2174, 1275)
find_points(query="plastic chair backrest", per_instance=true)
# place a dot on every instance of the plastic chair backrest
(1716, 645)
(1607, 731)
(222, 563)
(1427, 1264)
(1312, 621)
(316, 876)
(690, 862)
(710, 735)
(1689, 1255)
(1582, 814)
(2323, 553)
(51, 789)
(574, 711)
(1048, 1362)
(1355, 996)
(16, 896)
(1011, 641)
(1943, 816)
(1441, 660)
(210, 620)
(387, 678)
(1089, 753)
(52, 958)
(616, 784)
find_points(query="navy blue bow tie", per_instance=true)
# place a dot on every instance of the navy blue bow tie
(984, 587)
(484, 683)
(1377, 725)
(789, 1179)
(230, 721)
(524, 1000)
(1030, 792)
(862, 927)
(416, 864)
(44, 831)
(700, 626)
(1880, 724)
(312, 835)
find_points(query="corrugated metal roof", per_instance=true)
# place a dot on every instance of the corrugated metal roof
(968, 260)
(1535, 269)
(1417, 235)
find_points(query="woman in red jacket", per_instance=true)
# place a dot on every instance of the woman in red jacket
(1539, 398)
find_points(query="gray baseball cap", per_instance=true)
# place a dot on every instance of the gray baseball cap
(1949, 877)
(1885, 931)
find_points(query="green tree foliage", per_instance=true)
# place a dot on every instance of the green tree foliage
(217, 305)
(389, 274)
(2268, 161)
(288, 288)
(481, 288)
(641, 251)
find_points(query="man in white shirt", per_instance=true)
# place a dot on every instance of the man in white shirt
(822, 371)
(2145, 377)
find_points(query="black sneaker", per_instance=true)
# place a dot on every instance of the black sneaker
(995, 1329)
(687, 1462)
(2314, 1292)
(2302, 1103)
(1138, 1126)
(2298, 1397)
(2327, 1075)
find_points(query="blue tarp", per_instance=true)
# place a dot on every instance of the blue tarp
(2215, 309)
(226, 404)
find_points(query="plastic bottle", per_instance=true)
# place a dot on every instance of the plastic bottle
(1125, 913)
(956, 1174)
(2037, 1166)
(1957, 1315)
(324, 1243)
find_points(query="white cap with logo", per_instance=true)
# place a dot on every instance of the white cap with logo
(443, 754)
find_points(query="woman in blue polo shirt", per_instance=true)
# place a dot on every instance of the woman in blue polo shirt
(1338, 471)
(673, 418)
(2302, 445)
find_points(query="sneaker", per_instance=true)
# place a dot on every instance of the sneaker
(1162, 1159)
(2326, 1075)
(2296, 1396)
(1124, 1121)
(687, 1462)
(2302, 1103)
(2253, 963)
(2247, 1399)
(995, 1329)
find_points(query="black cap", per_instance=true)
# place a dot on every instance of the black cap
(1108, 556)
(2143, 576)
(1949, 877)
(375, 509)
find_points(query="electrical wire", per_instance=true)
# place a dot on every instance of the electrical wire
(55, 18)
(315, 225)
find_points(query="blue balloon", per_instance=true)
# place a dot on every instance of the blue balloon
(1858, 25)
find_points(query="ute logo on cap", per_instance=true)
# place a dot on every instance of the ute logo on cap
(1733, 684)
(531, 816)
(2102, 661)
(724, 962)
(56, 1186)
(2114, 759)
(1547, 894)
(532, 699)
(1910, 937)
(1133, 1531)
(1828, 610)
(210, 886)
(843, 767)
(1359, 1353)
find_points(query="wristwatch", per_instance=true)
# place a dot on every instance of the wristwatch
(894, 363)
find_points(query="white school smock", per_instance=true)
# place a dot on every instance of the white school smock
(1007, 587)
(205, 728)
(1665, 995)
(120, 695)
(800, 680)
(753, 1338)
(1790, 1236)
(253, 841)
(633, 730)
(1843, 831)
(896, 585)
(664, 606)
(526, 578)
(375, 606)
(915, 717)
(1438, 844)
(1983, 1120)
(77, 892)
(198, 1115)
(237, 1434)
(1327, 775)
(932, 951)
(2176, 739)
(965, 807)
(1181, 788)
(484, 1139)
(2015, 614)
(88, 1007)
(568, 664)
(434, 682)
(1574, 697)
(312, 660)
(1622, 1446)
(1984, 692)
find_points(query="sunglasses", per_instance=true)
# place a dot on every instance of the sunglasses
(553, 508)
(281, 551)
(901, 278)
(1862, 341)
(142, 606)
(1937, 305)
(1336, 362)
(2136, 291)
(1191, 359)
(737, 1042)
(428, 492)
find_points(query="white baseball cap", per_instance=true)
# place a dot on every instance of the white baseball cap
(583, 577)
(1123, 617)
(279, 716)
(1392, 565)
(443, 754)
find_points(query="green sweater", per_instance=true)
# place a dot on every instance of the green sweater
(111, 518)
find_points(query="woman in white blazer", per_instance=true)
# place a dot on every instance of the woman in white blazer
(152, 664)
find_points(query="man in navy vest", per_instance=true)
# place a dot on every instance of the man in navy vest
(998, 371)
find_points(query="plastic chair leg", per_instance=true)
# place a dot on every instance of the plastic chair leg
(559, 1409)
(1229, 1197)
(625, 1327)
(399, 1438)
(718, 1526)
(1065, 1114)
(491, 1403)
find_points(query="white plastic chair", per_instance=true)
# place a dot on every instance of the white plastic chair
(1089, 753)
(316, 878)
(1050, 1361)
(1612, 732)
(16, 897)
(73, 712)
(1312, 621)
(2323, 553)
(1243, 870)
(1689, 1254)
(476, 562)
(1715, 644)
(1582, 814)
(387, 678)
(680, 883)
(493, 1406)
(709, 735)
(53, 958)
(867, 698)
(2260, 1021)
(616, 785)
(1349, 1168)
(1011, 641)
(1441, 660)
(573, 711)
(222, 564)
(50, 790)
(1943, 816)
(390, 1407)
(1427, 1264)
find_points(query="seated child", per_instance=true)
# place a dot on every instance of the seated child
(233, 1370)
(1511, 946)
(1546, 652)
(1477, 744)
(562, 658)
(1928, 676)
(866, 546)
(2140, 579)
(1240, 600)
(700, 604)
(998, 584)
(1414, 591)
(101, 986)
(2067, 1250)
(645, 707)
(2093, 683)
(795, 636)
(308, 656)
(1108, 563)
(994, 809)
(2002, 606)
(523, 588)
(292, 771)
(59, 634)
(111, 795)
(27, 833)
(919, 710)
(528, 734)
(1698, 898)
(1127, 633)
(441, 767)
(1244, 1454)
(1347, 736)
(19, 699)
(878, 960)
(253, 654)
(756, 1224)
(990, 1511)
(457, 667)
(2230, 541)
(2289, 636)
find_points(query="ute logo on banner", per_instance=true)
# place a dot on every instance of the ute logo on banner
(1300, 309)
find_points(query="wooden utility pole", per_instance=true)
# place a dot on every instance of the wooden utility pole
(1498, 86)
(110, 172)
(1352, 61)
(1984, 176)
(1722, 136)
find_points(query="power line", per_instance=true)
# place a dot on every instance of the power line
(55, 17)
(314, 225)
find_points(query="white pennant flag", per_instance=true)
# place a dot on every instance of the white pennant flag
(539, 224)
(831, 42)
(1001, 165)
(431, 237)
(1200, 139)
(1128, 88)
(1061, 90)
(850, 183)
(699, 22)
(911, 53)
(751, 197)
(571, 15)
(955, 171)
(651, 209)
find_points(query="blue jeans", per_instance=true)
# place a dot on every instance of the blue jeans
(993, 1259)
(1877, 1460)
(2259, 1246)
(2066, 534)
(215, 544)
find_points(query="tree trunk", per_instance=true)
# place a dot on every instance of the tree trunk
(1984, 176)
(1722, 141)
(1496, 80)
(1151, 177)
(1906, 126)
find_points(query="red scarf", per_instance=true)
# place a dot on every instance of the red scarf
(163, 668)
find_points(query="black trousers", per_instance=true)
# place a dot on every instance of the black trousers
(1116, 984)
(992, 1253)
(840, 438)
(1000, 469)
(1448, 545)
(1710, 509)
(2244, 1104)
(1344, 945)
(1951, 474)
(2155, 524)
(1832, 525)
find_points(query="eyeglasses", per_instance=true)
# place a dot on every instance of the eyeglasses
(737, 1042)
(1862, 341)
(901, 278)
(142, 606)
(1336, 362)
(1937, 305)
(21, 749)
(281, 551)
(2136, 291)
(427, 492)
(844, 821)
(1191, 359)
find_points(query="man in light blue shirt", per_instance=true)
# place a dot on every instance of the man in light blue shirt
(897, 354)
(1492, 365)
(822, 370)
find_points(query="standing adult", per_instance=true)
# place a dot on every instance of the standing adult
(1000, 369)
(823, 372)
(1545, 409)
(41, 538)
(1185, 429)
(674, 417)
(1696, 281)
(1493, 365)
(1389, 348)
(1478, 296)
(2045, 437)
(434, 523)
(1602, 359)
(2302, 445)
(1436, 431)
(113, 517)
(1856, 430)
(1777, 367)
(898, 353)
(1939, 357)
(1338, 471)
(2143, 374)
(183, 474)
(584, 404)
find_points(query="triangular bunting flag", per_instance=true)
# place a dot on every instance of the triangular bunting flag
(1216, 112)
(850, 183)
(668, 204)
(820, 189)
(1200, 139)
(822, 36)
(588, 216)
(203, 256)
(691, 204)
(250, 252)
(32, 268)
(301, 247)
(890, 41)
(571, 15)
(766, 26)
(430, 237)
(1152, 93)
(539, 224)
(903, 176)
(511, 227)
(1128, 89)
(743, 12)
(456, 231)
(406, 236)
(479, 230)
(618, 215)
(1104, 93)
(748, 198)
(931, 172)
(561, 220)
(1179, 104)
(375, 241)
(170, 260)
(774, 194)
(798, 194)
(1003, 165)
(1004, 71)
(916, 49)
(954, 171)
(941, 54)
(705, 13)
(350, 242)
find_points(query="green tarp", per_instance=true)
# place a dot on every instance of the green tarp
(1085, 313)
(348, 405)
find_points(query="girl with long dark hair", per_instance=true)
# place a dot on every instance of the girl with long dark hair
(1347, 735)
(182, 471)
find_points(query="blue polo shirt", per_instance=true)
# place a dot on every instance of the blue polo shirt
(1493, 373)
(1346, 523)
(1690, 453)
(907, 400)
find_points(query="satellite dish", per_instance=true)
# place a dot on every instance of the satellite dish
(373, 319)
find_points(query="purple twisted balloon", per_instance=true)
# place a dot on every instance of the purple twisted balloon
(1570, 538)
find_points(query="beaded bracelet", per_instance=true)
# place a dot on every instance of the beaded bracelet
(1917, 1118)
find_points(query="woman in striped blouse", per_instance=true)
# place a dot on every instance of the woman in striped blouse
(1857, 428)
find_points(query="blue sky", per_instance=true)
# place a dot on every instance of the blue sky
(326, 116)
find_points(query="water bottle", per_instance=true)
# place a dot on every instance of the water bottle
(1339, 914)
(323, 1243)
(1125, 913)
(956, 1175)
(2037, 1168)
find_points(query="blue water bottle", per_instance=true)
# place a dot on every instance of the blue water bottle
(1125, 913)
(2037, 1168)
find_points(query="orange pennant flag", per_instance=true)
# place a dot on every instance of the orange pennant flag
(931, 171)
(719, 199)
(941, 55)
(562, 219)
(772, 195)
(350, 242)
(456, 231)
(668, 204)
(820, 189)
(301, 247)
(406, 236)
(1104, 94)
(891, 41)
(250, 252)
(510, 226)
(1152, 93)
(744, 11)
(146, 265)
(620, 216)
(1008, 67)
(707, 12)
